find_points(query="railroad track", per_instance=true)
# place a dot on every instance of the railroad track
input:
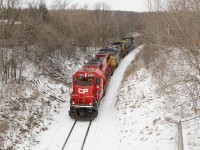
(77, 136)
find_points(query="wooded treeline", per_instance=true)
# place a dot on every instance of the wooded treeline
(35, 32)
(173, 50)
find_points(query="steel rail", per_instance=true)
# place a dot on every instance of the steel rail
(86, 135)
(69, 135)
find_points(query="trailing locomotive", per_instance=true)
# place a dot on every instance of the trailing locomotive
(90, 82)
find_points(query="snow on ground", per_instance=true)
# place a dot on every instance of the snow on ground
(28, 111)
(191, 134)
(147, 119)
(131, 116)
(53, 138)
(141, 121)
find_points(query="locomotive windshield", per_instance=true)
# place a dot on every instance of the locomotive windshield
(84, 81)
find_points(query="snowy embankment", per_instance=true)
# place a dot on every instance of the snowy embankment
(147, 118)
(141, 121)
(28, 109)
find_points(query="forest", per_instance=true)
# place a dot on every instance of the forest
(36, 32)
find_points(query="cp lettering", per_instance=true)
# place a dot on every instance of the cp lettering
(82, 91)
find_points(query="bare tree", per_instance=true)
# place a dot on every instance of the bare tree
(176, 26)
(60, 4)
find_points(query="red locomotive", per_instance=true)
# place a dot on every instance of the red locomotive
(90, 82)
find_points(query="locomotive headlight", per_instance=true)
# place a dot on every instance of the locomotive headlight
(97, 86)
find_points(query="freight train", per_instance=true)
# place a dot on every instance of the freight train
(90, 82)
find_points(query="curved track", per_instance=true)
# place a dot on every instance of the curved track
(77, 136)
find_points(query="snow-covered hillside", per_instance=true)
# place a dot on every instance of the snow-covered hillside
(132, 115)
(142, 121)
(147, 118)
(28, 109)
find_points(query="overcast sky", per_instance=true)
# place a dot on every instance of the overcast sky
(128, 5)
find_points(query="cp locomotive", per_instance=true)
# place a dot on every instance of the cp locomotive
(90, 82)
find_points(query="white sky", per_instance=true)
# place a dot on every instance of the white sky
(127, 5)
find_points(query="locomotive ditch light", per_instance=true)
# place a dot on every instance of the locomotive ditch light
(85, 75)
(90, 103)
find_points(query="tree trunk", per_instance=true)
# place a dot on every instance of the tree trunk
(20, 69)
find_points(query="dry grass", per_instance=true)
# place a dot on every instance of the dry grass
(4, 126)
(143, 59)
(134, 66)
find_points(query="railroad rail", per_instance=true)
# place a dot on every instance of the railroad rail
(73, 128)
(86, 135)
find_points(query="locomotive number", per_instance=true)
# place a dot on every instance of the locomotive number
(82, 91)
